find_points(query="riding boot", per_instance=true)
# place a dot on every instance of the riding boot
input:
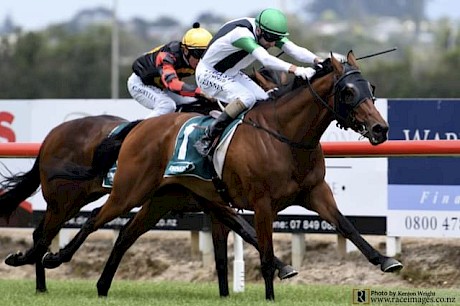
(205, 144)
(214, 130)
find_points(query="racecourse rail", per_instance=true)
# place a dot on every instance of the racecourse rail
(331, 149)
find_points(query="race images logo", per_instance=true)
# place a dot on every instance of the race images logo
(361, 296)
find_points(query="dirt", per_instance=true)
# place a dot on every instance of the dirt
(428, 263)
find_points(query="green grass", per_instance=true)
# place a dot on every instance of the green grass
(133, 293)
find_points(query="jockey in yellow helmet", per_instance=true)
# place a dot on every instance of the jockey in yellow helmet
(156, 79)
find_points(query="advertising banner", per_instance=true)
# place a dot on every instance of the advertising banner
(424, 192)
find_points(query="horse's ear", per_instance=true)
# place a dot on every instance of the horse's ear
(351, 59)
(336, 64)
(284, 78)
(259, 77)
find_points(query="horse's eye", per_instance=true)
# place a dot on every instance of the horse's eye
(349, 93)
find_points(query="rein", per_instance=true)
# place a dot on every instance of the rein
(297, 145)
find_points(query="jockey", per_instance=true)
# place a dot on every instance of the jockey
(236, 45)
(156, 79)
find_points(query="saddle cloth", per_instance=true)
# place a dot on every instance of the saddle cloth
(187, 161)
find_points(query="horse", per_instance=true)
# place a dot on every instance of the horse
(75, 141)
(274, 160)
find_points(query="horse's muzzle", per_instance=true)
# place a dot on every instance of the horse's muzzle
(378, 134)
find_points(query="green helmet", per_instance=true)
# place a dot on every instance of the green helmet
(272, 21)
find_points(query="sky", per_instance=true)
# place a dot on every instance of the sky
(37, 14)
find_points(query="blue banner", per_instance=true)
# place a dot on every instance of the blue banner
(424, 120)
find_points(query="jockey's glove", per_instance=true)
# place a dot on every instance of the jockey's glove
(200, 93)
(304, 72)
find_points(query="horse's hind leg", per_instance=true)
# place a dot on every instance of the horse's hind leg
(15, 259)
(40, 276)
(322, 201)
(42, 236)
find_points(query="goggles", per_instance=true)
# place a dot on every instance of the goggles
(196, 53)
(270, 37)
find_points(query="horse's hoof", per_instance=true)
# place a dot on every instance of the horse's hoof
(13, 259)
(50, 260)
(102, 291)
(391, 265)
(287, 272)
(41, 290)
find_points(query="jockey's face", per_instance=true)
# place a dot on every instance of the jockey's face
(193, 61)
(263, 41)
(193, 56)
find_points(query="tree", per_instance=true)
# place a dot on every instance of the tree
(403, 9)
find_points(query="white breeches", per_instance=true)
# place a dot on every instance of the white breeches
(158, 100)
(228, 88)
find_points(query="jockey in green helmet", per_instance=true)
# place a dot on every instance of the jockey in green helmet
(235, 46)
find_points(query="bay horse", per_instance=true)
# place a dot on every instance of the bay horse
(273, 161)
(76, 141)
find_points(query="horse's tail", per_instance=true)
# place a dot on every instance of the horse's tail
(104, 157)
(17, 188)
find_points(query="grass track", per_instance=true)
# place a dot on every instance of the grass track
(134, 293)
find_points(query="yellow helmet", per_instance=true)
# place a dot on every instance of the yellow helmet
(196, 38)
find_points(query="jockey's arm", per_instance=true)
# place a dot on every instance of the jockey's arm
(299, 53)
(165, 64)
(251, 46)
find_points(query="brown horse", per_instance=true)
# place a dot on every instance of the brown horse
(76, 141)
(274, 160)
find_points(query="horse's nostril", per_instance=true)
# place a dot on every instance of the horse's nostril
(379, 129)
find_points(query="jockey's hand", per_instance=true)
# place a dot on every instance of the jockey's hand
(318, 63)
(207, 97)
(304, 72)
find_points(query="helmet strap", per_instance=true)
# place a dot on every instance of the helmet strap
(186, 54)
(258, 33)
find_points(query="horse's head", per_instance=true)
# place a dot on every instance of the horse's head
(353, 101)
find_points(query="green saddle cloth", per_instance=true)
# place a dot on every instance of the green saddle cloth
(186, 160)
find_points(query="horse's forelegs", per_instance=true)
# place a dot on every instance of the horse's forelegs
(346, 228)
(263, 223)
(322, 201)
(219, 238)
(142, 222)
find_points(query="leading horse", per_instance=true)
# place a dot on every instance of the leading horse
(76, 141)
(274, 160)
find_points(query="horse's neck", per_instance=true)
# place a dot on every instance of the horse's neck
(302, 117)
